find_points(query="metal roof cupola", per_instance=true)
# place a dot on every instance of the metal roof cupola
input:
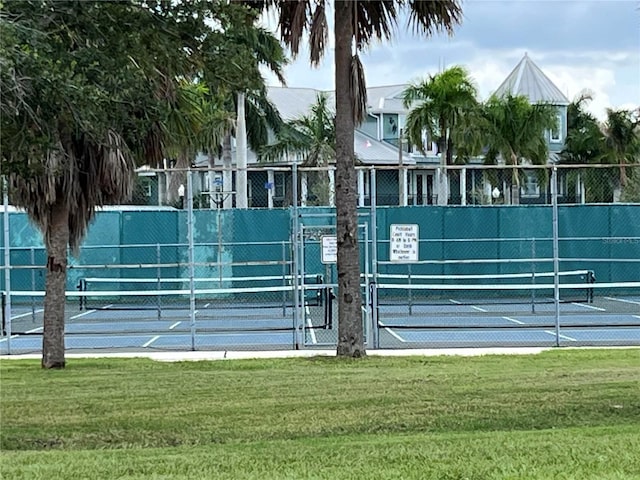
(529, 80)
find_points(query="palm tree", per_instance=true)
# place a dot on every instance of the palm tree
(195, 121)
(77, 131)
(584, 136)
(235, 54)
(621, 143)
(311, 138)
(584, 145)
(356, 25)
(443, 101)
(261, 116)
(514, 130)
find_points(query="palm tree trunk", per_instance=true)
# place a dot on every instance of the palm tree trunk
(443, 181)
(179, 177)
(515, 181)
(241, 155)
(350, 327)
(54, 302)
(227, 174)
(623, 173)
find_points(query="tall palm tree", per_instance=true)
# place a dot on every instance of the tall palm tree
(442, 100)
(312, 139)
(584, 145)
(621, 142)
(514, 130)
(356, 25)
(235, 54)
(584, 136)
(261, 116)
(195, 121)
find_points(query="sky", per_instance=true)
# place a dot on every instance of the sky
(579, 44)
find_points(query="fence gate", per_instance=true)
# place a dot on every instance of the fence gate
(317, 306)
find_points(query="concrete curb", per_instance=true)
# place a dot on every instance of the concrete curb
(237, 355)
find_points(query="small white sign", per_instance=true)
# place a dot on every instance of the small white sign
(403, 244)
(329, 249)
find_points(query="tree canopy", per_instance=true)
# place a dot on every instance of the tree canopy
(91, 88)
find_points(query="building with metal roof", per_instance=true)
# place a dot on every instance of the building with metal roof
(376, 142)
(527, 79)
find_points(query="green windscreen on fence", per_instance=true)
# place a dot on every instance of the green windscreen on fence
(454, 240)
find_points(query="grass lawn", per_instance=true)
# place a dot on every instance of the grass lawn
(564, 414)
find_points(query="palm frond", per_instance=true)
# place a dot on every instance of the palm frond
(375, 20)
(358, 90)
(293, 23)
(318, 35)
(432, 16)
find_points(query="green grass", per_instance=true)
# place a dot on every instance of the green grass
(572, 414)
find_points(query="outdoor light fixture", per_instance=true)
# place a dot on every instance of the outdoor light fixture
(181, 195)
(495, 193)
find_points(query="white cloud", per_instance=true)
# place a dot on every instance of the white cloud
(574, 80)
(591, 45)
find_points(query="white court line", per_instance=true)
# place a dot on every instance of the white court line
(455, 301)
(175, 325)
(81, 314)
(394, 334)
(622, 300)
(33, 330)
(589, 306)
(479, 309)
(514, 320)
(561, 336)
(5, 339)
(635, 316)
(90, 311)
(206, 305)
(27, 314)
(151, 341)
(312, 333)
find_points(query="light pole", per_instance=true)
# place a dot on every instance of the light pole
(495, 194)
(181, 195)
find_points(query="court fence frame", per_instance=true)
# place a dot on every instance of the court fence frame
(543, 258)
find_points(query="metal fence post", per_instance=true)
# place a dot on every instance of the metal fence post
(298, 314)
(159, 281)
(367, 293)
(533, 275)
(556, 261)
(33, 283)
(374, 259)
(7, 265)
(192, 293)
(284, 278)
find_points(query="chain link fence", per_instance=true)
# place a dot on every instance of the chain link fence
(450, 257)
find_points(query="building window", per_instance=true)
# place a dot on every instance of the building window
(390, 127)
(530, 187)
(279, 187)
(556, 132)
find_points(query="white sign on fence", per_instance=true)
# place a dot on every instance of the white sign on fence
(329, 249)
(403, 244)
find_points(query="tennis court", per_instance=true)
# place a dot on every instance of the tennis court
(448, 314)
(256, 280)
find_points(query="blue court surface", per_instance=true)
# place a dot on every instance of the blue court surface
(604, 322)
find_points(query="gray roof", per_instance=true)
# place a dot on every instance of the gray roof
(294, 102)
(373, 152)
(527, 79)
(387, 99)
